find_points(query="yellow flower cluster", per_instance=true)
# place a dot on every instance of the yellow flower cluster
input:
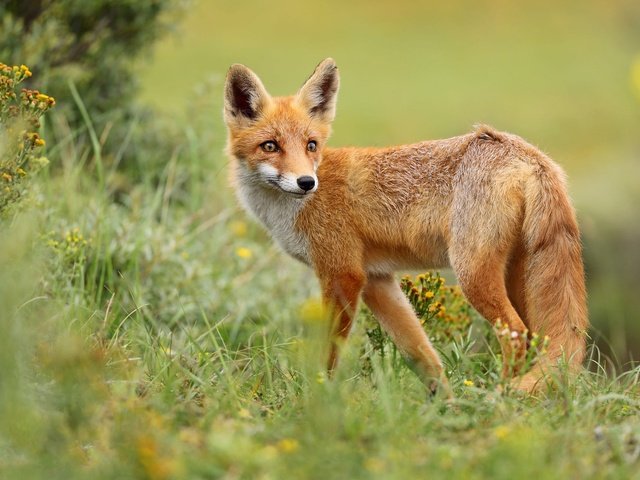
(18, 72)
(36, 100)
(428, 295)
(33, 139)
(22, 70)
(19, 111)
(9, 78)
(70, 242)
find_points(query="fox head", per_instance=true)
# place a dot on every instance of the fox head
(278, 141)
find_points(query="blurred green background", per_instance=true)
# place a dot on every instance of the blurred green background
(150, 330)
(564, 75)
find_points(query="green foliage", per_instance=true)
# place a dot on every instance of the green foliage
(165, 342)
(150, 331)
(95, 44)
(99, 48)
(442, 309)
(99, 388)
(20, 143)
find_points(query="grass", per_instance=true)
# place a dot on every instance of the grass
(152, 331)
(163, 341)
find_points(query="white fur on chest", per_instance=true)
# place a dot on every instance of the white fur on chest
(278, 212)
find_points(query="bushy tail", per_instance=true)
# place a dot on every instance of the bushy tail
(554, 274)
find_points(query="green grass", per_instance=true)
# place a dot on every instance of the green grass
(150, 330)
(151, 346)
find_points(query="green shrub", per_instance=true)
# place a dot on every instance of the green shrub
(95, 44)
(96, 48)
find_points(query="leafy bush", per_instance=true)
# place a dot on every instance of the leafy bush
(94, 44)
(88, 55)
(20, 143)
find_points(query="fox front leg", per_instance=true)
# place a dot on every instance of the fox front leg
(341, 292)
(391, 308)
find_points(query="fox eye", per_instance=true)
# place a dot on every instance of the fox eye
(312, 146)
(269, 146)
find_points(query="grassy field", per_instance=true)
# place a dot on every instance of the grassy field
(150, 330)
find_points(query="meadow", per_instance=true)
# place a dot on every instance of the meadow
(151, 330)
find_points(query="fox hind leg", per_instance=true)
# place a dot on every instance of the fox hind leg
(485, 231)
(482, 280)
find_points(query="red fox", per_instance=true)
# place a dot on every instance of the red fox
(488, 204)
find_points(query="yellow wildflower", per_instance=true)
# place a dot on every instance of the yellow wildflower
(288, 445)
(313, 310)
(7, 177)
(39, 142)
(468, 383)
(21, 172)
(501, 431)
(238, 228)
(429, 295)
(244, 252)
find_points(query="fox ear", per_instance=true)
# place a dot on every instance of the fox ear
(319, 93)
(244, 95)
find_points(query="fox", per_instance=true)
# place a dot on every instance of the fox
(487, 204)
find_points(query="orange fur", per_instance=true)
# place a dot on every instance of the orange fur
(487, 203)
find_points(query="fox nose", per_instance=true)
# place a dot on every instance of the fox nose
(306, 182)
